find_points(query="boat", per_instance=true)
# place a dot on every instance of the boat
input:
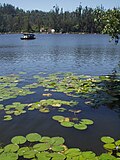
(28, 36)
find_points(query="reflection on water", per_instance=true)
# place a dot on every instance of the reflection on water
(82, 54)
(85, 54)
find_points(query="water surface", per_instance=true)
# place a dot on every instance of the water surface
(81, 54)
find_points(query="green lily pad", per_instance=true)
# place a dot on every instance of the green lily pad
(57, 148)
(106, 156)
(18, 140)
(107, 139)
(33, 137)
(11, 148)
(8, 156)
(7, 118)
(58, 118)
(109, 146)
(87, 121)
(117, 142)
(88, 155)
(29, 154)
(67, 124)
(80, 126)
(22, 150)
(56, 141)
(41, 146)
(72, 152)
(45, 139)
(57, 156)
(43, 156)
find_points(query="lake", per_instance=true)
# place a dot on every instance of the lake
(89, 54)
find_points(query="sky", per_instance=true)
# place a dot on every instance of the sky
(67, 5)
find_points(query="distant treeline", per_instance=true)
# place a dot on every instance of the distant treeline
(86, 20)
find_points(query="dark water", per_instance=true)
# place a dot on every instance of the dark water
(82, 54)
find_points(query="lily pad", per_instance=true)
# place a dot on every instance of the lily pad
(43, 156)
(109, 146)
(57, 148)
(18, 140)
(87, 121)
(117, 142)
(58, 118)
(56, 141)
(106, 156)
(107, 139)
(22, 150)
(33, 137)
(8, 156)
(11, 148)
(7, 117)
(41, 147)
(67, 124)
(29, 154)
(45, 139)
(80, 126)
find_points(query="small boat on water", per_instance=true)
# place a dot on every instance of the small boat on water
(28, 36)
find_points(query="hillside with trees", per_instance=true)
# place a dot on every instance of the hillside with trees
(82, 20)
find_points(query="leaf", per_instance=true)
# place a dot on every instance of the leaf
(8, 156)
(106, 156)
(33, 137)
(41, 146)
(18, 140)
(11, 148)
(58, 118)
(109, 146)
(80, 126)
(117, 142)
(56, 141)
(67, 124)
(7, 118)
(57, 148)
(22, 150)
(107, 139)
(87, 121)
(29, 154)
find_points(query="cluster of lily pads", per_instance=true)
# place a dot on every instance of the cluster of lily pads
(36, 147)
(112, 146)
(43, 106)
(96, 89)
(9, 88)
(73, 122)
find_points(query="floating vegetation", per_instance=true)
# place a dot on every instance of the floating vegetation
(36, 147)
(73, 122)
(112, 146)
(97, 89)
(44, 106)
(9, 89)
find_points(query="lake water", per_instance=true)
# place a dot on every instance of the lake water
(81, 54)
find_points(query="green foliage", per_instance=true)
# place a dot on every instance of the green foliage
(73, 122)
(112, 146)
(46, 148)
(86, 20)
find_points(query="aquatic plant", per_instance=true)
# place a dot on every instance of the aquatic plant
(44, 106)
(36, 147)
(9, 88)
(112, 146)
(73, 122)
